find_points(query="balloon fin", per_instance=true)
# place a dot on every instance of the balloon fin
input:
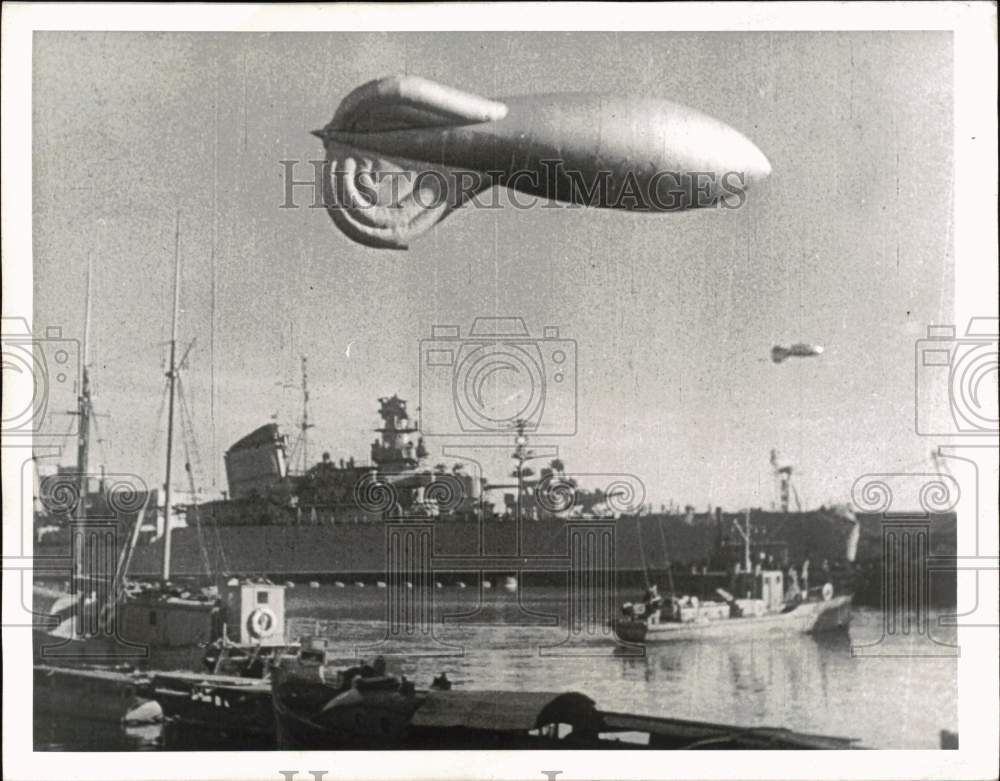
(403, 102)
(384, 203)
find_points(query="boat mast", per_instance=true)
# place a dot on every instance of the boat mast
(83, 410)
(172, 377)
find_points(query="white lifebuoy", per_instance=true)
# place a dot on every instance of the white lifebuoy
(262, 622)
(827, 592)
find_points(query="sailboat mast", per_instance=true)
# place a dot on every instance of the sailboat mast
(83, 437)
(172, 377)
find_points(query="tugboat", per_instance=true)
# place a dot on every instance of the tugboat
(766, 609)
(712, 620)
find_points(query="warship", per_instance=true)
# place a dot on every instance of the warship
(329, 524)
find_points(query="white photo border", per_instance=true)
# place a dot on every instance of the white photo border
(975, 233)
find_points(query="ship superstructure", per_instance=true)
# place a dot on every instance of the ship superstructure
(264, 491)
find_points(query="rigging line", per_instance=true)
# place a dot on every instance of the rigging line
(159, 417)
(221, 549)
(187, 440)
(181, 363)
(223, 559)
(187, 431)
(125, 561)
(187, 424)
(642, 553)
(203, 549)
(666, 554)
(156, 433)
(187, 427)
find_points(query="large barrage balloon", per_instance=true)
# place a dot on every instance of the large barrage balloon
(404, 152)
(779, 353)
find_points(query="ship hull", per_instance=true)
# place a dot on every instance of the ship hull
(655, 548)
(340, 547)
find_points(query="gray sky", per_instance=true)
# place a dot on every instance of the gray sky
(848, 244)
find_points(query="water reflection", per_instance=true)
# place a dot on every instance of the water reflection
(53, 733)
(811, 684)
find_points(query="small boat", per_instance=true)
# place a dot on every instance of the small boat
(224, 705)
(767, 609)
(113, 696)
(164, 629)
(313, 584)
(737, 618)
(317, 707)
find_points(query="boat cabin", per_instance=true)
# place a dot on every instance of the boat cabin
(246, 614)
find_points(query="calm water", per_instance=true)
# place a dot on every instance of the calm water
(898, 698)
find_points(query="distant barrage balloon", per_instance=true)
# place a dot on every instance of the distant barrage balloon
(404, 152)
(779, 353)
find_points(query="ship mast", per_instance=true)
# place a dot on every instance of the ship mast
(304, 424)
(83, 410)
(172, 377)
